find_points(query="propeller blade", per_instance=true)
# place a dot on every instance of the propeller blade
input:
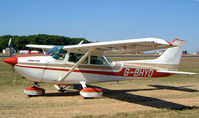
(9, 42)
(10, 46)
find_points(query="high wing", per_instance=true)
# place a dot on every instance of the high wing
(45, 48)
(130, 46)
(40, 46)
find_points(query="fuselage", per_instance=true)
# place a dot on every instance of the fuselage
(72, 65)
(49, 70)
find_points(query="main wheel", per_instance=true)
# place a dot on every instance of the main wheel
(89, 93)
(34, 91)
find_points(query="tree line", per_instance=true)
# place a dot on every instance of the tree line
(20, 42)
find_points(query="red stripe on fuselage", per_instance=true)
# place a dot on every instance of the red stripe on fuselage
(29, 55)
(123, 72)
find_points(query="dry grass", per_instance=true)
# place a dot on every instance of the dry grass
(175, 96)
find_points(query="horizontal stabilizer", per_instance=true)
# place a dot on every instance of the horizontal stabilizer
(176, 72)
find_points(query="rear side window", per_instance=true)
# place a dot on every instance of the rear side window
(98, 60)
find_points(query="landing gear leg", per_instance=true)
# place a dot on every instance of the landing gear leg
(83, 83)
(63, 87)
(36, 84)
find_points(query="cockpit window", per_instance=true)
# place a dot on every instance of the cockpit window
(74, 57)
(57, 53)
(51, 51)
(98, 60)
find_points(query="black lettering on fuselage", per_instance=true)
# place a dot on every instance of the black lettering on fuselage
(143, 72)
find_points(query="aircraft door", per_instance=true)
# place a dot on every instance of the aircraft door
(55, 66)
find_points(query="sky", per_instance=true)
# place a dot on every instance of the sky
(103, 20)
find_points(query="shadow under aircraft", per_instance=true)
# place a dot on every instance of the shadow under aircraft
(180, 88)
(123, 95)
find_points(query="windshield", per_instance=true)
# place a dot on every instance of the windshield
(51, 51)
(57, 53)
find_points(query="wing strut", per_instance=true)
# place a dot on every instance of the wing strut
(77, 64)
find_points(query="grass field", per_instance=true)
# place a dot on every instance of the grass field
(175, 96)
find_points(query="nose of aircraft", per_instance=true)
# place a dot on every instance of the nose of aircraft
(10, 60)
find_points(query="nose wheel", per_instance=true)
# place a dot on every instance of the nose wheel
(34, 91)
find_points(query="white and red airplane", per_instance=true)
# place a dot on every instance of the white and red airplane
(66, 66)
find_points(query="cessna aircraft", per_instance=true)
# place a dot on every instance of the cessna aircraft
(68, 65)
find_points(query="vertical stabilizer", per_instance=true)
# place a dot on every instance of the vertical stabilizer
(172, 55)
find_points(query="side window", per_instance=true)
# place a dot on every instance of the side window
(74, 57)
(98, 60)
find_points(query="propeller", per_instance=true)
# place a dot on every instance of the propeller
(12, 67)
